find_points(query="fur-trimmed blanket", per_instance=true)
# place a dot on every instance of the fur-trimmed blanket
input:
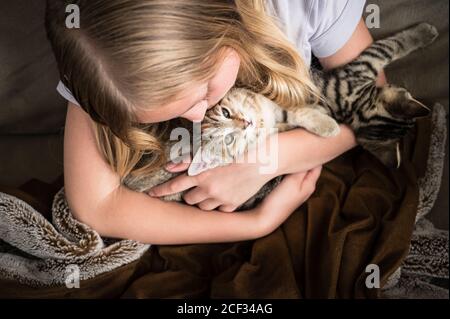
(37, 252)
(361, 213)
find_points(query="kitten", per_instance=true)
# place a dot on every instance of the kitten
(379, 116)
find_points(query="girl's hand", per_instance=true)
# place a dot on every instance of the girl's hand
(225, 187)
(293, 191)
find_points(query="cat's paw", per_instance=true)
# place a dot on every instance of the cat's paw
(327, 128)
(426, 33)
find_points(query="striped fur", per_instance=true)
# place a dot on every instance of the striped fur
(380, 117)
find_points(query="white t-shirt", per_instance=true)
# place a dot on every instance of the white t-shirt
(320, 27)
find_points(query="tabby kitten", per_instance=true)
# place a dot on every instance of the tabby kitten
(379, 116)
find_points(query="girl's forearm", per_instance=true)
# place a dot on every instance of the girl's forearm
(129, 214)
(300, 150)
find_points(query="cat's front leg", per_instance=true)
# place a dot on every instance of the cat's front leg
(385, 51)
(313, 120)
(416, 37)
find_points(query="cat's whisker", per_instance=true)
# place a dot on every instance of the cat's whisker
(421, 104)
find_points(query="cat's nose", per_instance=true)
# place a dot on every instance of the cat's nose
(246, 123)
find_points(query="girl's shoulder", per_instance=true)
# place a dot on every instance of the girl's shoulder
(318, 26)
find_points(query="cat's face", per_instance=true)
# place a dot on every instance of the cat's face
(390, 118)
(400, 104)
(228, 129)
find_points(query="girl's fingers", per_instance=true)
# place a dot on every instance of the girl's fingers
(309, 183)
(287, 193)
(175, 185)
(227, 208)
(209, 204)
(195, 196)
(176, 168)
(179, 167)
(313, 175)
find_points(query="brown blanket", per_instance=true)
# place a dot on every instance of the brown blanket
(360, 214)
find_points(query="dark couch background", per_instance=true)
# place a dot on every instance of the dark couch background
(32, 113)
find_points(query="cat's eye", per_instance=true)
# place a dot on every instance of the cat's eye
(226, 113)
(229, 139)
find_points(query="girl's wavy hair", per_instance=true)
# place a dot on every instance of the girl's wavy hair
(134, 54)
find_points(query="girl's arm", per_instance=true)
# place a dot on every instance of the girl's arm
(323, 150)
(97, 199)
(358, 42)
(313, 150)
(128, 214)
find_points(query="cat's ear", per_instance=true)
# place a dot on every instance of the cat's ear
(407, 107)
(201, 162)
(388, 153)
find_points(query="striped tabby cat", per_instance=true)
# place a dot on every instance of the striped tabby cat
(379, 116)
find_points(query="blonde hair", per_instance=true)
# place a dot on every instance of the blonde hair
(130, 52)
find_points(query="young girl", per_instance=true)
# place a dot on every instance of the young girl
(135, 64)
